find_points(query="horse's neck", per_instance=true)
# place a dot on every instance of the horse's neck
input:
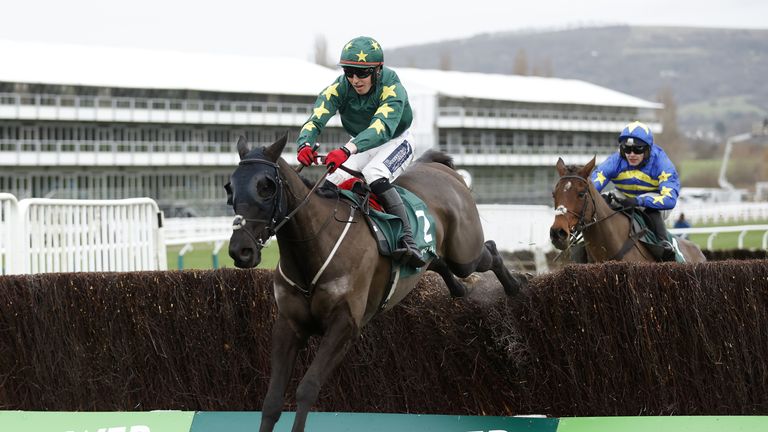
(606, 237)
(297, 239)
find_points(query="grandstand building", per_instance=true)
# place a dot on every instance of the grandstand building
(104, 123)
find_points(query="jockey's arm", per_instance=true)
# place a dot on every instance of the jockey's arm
(604, 172)
(669, 189)
(326, 105)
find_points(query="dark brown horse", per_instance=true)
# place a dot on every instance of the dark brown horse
(331, 280)
(580, 209)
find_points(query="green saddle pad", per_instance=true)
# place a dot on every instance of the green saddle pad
(390, 227)
(651, 239)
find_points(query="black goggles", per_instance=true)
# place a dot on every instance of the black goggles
(360, 73)
(636, 149)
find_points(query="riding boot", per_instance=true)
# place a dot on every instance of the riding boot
(660, 230)
(393, 204)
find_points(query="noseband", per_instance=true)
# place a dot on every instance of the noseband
(562, 210)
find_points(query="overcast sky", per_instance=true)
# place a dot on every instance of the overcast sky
(289, 28)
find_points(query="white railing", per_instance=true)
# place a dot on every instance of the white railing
(9, 228)
(187, 232)
(721, 213)
(517, 227)
(52, 235)
(714, 231)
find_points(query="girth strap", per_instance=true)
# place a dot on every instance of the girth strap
(631, 241)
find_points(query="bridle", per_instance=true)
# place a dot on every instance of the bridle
(274, 222)
(581, 225)
(278, 218)
(562, 210)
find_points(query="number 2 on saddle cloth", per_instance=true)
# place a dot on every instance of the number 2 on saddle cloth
(388, 227)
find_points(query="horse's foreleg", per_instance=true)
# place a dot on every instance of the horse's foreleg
(490, 259)
(285, 348)
(340, 332)
(455, 286)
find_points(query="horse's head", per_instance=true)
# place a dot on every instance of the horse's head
(571, 195)
(255, 191)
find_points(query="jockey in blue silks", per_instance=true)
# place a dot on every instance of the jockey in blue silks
(645, 177)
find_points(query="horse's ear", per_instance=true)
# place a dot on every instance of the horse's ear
(242, 147)
(274, 151)
(587, 170)
(560, 167)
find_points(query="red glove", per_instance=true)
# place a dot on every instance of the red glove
(307, 155)
(337, 157)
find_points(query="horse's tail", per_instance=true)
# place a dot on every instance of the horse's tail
(436, 156)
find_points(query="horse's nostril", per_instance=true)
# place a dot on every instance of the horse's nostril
(246, 254)
(557, 233)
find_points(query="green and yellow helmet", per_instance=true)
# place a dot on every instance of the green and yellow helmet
(362, 52)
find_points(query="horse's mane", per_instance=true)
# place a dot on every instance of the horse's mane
(436, 156)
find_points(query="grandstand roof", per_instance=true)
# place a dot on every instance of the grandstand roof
(40, 63)
(520, 88)
(30, 62)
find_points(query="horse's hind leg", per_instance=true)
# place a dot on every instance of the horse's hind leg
(285, 348)
(490, 259)
(455, 286)
(340, 332)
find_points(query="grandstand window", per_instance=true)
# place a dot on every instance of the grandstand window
(123, 103)
(8, 100)
(27, 100)
(193, 105)
(256, 108)
(223, 106)
(104, 103)
(176, 105)
(159, 104)
(140, 104)
(86, 102)
(241, 107)
(209, 106)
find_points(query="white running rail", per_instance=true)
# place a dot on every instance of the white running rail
(56, 235)
(714, 231)
(9, 228)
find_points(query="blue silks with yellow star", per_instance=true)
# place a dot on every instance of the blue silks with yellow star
(655, 183)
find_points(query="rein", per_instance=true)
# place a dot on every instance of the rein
(273, 226)
(578, 229)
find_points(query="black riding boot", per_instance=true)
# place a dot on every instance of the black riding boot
(393, 204)
(661, 232)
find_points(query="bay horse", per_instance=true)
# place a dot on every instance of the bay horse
(580, 209)
(330, 279)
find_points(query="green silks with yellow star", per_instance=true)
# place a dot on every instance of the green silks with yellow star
(372, 119)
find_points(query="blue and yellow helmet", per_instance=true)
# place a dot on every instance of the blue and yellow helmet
(637, 132)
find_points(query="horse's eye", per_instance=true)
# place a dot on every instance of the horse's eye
(582, 194)
(266, 188)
